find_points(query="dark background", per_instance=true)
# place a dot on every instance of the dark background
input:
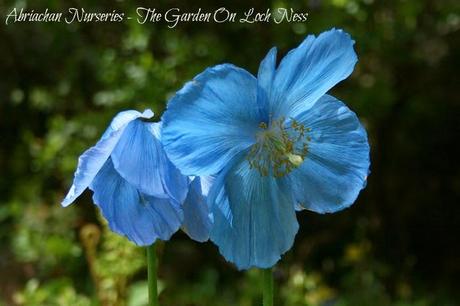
(61, 84)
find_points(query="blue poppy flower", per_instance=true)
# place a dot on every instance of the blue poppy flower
(138, 190)
(278, 143)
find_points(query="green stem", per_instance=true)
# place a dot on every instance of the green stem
(152, 275)
(267, 287)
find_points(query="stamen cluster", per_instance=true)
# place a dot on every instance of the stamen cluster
(280, 147)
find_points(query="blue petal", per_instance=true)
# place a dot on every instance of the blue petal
(265, 77)
(140, 159)
(197, 221)
(337, 163)
(306, 73)
(175, 184)
(92, 160)
(254, 217)
(139, 217)
(267, 70)
(211, 119)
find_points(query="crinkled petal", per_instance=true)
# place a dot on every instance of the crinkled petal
(211, 119)
(254, 217)
(337, 163)
(306, 73)
(175, 184)
(197, 220)
(140, 159)
(139, 217)
(265, 78)
(92, 160)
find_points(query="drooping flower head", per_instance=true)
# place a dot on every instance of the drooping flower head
(138, 190)
(278, 143)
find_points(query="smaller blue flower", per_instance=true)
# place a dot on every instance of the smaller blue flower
(139, 191)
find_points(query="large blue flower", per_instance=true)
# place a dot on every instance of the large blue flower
(278, 143)
(138, 190)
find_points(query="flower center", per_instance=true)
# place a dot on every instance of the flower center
(279, 148)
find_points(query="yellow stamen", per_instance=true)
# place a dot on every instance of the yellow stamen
(279, 148)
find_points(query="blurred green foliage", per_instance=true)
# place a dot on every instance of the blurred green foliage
(61, 84)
